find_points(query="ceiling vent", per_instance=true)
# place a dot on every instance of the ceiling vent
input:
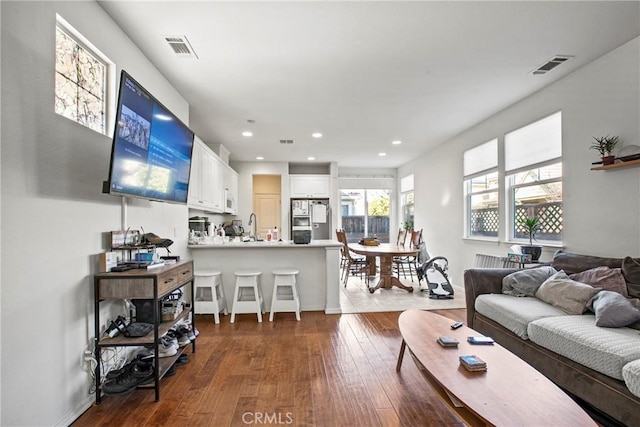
(551, 64)
(181, 46)
(286, 141)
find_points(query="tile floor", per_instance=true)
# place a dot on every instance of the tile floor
(356, 298)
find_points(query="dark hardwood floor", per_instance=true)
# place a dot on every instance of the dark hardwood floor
(326, 370)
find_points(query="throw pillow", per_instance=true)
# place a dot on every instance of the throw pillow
(526, 282)
(631, 273)
(566, 294)
(613, 310)
(610, 279)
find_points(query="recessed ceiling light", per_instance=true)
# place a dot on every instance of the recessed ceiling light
(396, 142)
(259, 158)
(382, 154)
(247, 133)
(316, 135)
(311, 158)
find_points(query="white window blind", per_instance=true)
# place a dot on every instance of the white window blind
(406, 183)
(481, 158)
(534, 143)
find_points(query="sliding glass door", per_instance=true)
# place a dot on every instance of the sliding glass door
(365, 213)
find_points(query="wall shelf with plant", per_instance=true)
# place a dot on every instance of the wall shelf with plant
(617, 165)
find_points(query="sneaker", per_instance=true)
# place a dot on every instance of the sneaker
(182, 338)
(150, 381)
(183, 359)
(133, 374)
(188, 332)
(168, 340)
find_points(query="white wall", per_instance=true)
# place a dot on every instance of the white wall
(54, 218)
(601, 209)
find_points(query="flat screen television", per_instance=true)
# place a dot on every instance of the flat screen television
(151, 151)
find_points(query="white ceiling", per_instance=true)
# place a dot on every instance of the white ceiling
(362, 73)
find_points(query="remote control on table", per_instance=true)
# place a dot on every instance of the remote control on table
(456, 325)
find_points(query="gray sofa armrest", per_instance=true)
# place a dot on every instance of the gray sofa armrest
(478, 281)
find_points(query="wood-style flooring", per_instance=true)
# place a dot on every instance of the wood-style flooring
(326, 370)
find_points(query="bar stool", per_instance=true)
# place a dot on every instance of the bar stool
(247, 296)
(285, 293)
(209, 284)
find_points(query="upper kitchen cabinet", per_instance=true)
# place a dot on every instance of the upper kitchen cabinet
(206, 190)
(310, 186)
(230, 179)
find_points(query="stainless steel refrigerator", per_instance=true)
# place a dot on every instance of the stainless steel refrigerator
(313, 215)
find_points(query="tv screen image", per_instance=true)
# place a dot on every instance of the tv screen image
(151, 153)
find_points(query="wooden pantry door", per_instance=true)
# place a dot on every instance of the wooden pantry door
(267, 203)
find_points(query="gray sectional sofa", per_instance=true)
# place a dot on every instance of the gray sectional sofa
(562, 335)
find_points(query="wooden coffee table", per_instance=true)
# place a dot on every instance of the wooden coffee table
(509, 393)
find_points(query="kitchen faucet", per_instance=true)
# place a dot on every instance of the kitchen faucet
(255, 220)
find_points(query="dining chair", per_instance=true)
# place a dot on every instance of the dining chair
(353, 264)
(409, 263)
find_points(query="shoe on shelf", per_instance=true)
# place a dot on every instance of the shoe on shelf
(168, 340)
(182, 338)
(133, 374)
(170, 372)
(188, 331)
(183, 359)
(165, 349)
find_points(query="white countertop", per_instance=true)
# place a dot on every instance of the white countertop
(267, 245)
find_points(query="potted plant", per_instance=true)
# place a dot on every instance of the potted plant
(605, 145)
(531, 226)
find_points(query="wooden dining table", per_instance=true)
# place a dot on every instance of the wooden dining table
(386, 252)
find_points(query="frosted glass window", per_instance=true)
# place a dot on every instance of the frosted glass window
(538, 142)
(481, 158)
(80, 83)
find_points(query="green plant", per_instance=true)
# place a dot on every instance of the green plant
(604, 144)
(407, 225)
(531, 226)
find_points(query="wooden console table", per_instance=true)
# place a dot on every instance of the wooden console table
(148, 285)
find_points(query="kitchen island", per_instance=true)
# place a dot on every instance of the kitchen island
(318, 263)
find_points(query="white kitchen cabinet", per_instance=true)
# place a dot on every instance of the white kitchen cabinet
(310, 186)
(206, 191)
(230, 178)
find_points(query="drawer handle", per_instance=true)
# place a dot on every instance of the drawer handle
(186, 272)
(170, 280)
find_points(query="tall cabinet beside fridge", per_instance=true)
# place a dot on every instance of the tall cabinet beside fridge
(313, 215)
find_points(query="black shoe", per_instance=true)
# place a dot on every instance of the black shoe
(183, 359)
(132, 375)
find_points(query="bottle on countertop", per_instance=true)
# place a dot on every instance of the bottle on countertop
(211, 230)
(274, 234)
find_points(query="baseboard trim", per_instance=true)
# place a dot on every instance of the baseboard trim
(72, 416)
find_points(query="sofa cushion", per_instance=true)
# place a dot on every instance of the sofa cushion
(514, 313)
(612, 310)
(603, 277)
(579, 339)
(526, 282)
(566, 294)
(631, 375)
(631, 272)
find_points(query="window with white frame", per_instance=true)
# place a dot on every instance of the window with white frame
(533, 169)
(81, 79)
(481, 189)
(407, 200)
